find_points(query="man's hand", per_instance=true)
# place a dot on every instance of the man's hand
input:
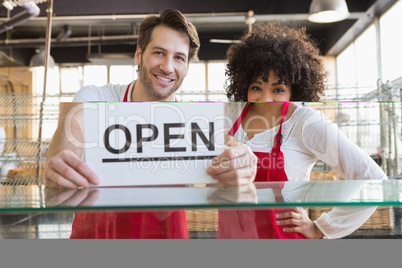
(235, 166)
(300, 223)
(70, 197)
(66, 170)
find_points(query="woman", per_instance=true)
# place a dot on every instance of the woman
(270, 69)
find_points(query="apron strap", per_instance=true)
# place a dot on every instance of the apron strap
(236, 125)
(126, 94)
(277, 189)
(125, 99)
(278, 137)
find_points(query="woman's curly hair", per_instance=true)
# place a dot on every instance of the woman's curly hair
(290, 52)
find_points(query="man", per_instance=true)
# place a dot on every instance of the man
(166, 45)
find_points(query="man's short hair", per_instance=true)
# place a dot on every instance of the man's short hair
(173, 19)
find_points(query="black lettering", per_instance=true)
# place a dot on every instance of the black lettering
(107, 143)
(168, 137)
(141, 140)
(195, 129)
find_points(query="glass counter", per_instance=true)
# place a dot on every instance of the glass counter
(34, 211)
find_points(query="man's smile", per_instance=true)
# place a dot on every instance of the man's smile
(164, 79)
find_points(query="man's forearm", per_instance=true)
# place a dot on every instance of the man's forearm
(60, 143)
(69, 132)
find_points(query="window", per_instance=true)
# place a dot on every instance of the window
(216, 81)
(357, 65)
(391, 43)
(50, 110)
(366, 58)
(95, 75)
(122, 74)
(357, 75)
(194, 85)
(71, 79)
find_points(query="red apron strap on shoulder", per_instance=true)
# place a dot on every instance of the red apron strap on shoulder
(284, 112)
(236, 125)
(278, 136)
(125, 99)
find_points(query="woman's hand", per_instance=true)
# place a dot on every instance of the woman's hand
(299, 223)
(237, 165)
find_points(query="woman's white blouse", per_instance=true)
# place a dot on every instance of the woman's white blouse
(308, 135)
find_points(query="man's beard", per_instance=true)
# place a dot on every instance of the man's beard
(148, 87)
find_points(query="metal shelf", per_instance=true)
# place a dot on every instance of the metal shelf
(371, 125)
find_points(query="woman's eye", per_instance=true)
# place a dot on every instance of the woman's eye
(256, 88)
(279, 90)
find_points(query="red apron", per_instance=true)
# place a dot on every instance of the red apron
(129, 225)
(260, 223)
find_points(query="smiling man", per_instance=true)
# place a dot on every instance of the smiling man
(166, 45)
(162, 65)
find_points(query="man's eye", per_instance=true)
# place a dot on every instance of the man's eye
(180, 58)
(158, 53)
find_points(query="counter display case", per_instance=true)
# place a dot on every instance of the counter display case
(33, 211)
(28, 210)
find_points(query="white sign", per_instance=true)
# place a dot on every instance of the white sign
(152, 142)
(153, 196)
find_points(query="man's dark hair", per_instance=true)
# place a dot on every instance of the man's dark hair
(173, 19)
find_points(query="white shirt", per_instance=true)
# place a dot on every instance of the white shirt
(308, 135)
(109, 92)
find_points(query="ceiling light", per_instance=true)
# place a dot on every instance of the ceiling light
(38, 59)
(111, 58)
(9, 5)
(31, 10)
(325, 11)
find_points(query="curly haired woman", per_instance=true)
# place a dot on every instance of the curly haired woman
(270, 69)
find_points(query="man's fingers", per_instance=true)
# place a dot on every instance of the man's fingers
(55, 197)
(64, 174)
(55, 180)
(80, 167)
(78, 197)
(71, 197)
(91, 198)
(66, 170)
